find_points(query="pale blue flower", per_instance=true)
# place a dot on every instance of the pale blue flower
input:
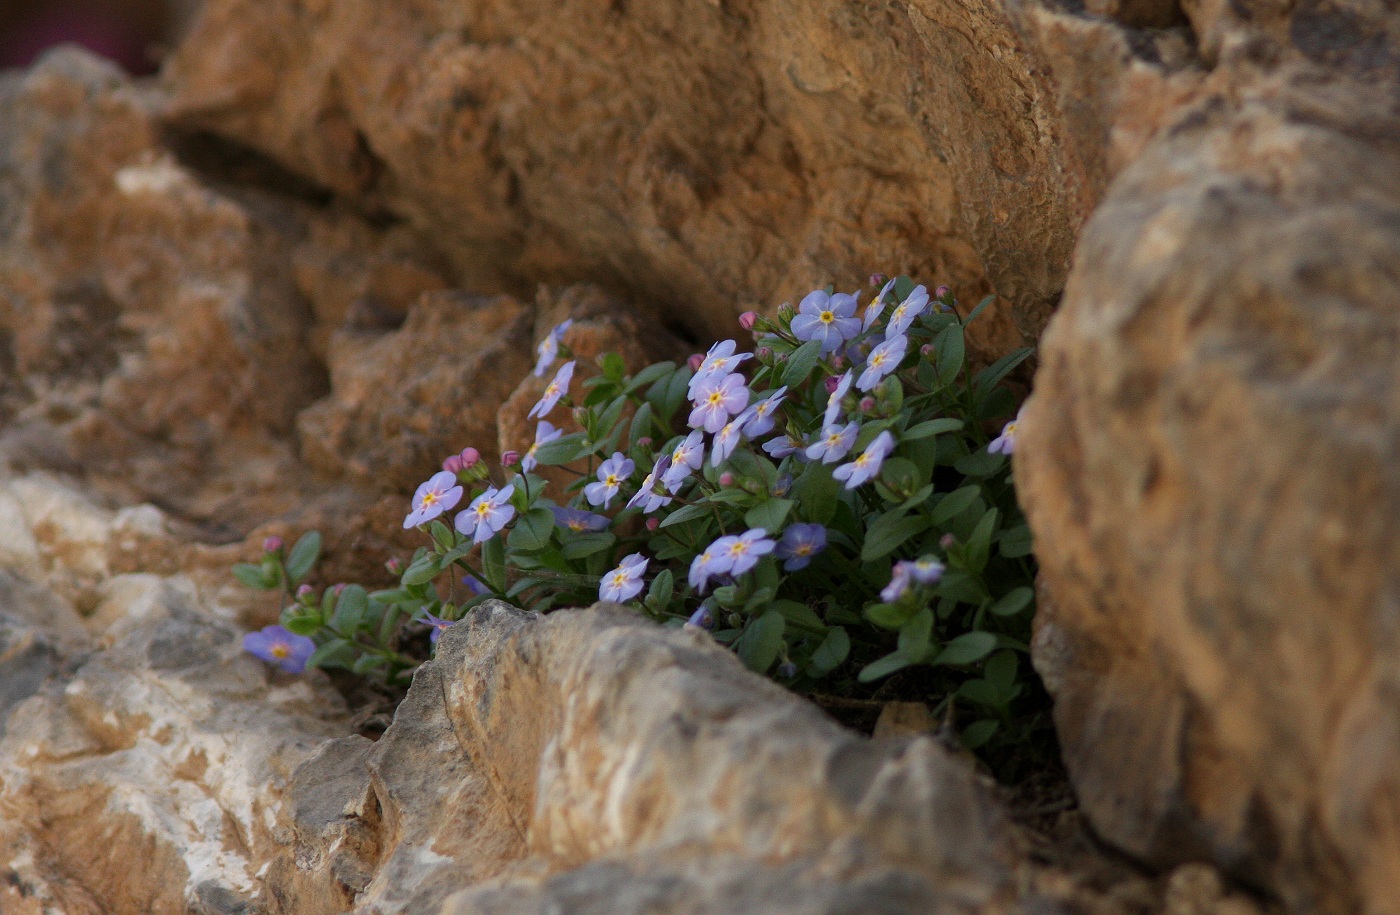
(899, 584)
(548, 349)
(702, 618)
(438, 624)
(925, 570)
(872, 313)
(761, 416)
(826, 317)
(884, 360)
(780, 447)
(727, 439)
(833, 400)
(544, 434)
(1006, 442)
(475, 585)
(612, 473)
(710, 563)
(721, 360)
(799, 544)
(487, 514)
(716, 400)
(686, 458)
(905, 312)
(834, 443)
(556, 389)
(287, 650)
(437, 494)
(624, 582)
(864, 468)
(651, 497)
(745, 550)
(579, 521)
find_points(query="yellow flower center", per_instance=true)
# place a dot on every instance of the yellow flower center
(576, 524)
(619, 578)
(877, 360)
(715, 397)
(738, 549)
(833, 438)
(827, 317)
(429, 498)
(803, 549)
(483, 510)
(611, 480)
(1010, 429)
(281, 650)
(863, 460)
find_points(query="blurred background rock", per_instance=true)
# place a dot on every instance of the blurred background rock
(134, 33)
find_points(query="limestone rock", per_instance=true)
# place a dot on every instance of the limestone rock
(1208, 464)
(590, 761)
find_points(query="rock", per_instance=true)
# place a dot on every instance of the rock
(590, 761)
(1208, 464)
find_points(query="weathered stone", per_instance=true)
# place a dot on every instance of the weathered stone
(1208, 463)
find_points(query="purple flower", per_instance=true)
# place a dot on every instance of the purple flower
(285, 649)
(475, 585)
(578, 520)
(438, 494)
(487, 514)
(834, 443)
(702, 618)
(556, 389)
(716, 400)
(882, 361)
(826, 317)
(686, 458)
(650, 497)
(611, 475)
(712, 562)
(745, 550)
(905, 313)
(780, 447)
(544, 434)
(899, 584)
(1006, 442)
(549, 348)
(799, 544)
(438, 624)
(782, 486)
(925, 570)
(864, 468)
(833, 401)
(872, 313)
(718, 362)
(727, 439)
(761, 415)
(624, 582)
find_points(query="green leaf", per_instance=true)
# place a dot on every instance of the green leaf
(1000, 671)
(889, 533)
(614, 369)
(640, 427)
(423, 569)
(903, 288)
(608, 422)
(303, 556)
(998, 402)
(932, 427)
(649, 375)
(686, 513)
(801, 363)
(981, 307)
(968, 648)
(367, 663)
(949, 351)
(493, 563)
(914, 636)
(1016, 542)
(981, 692)
(817, 492)
(977, 734)
(829, 655)
(887, 616)
(335, 653)
(662, 587)
(441, 534)
(1012, 602)
(562, 450)
(585, 545)
(979, 545)
(675, 394)
(302, 623)
(350, 608)
(800, 615)
(883, 667)
(954, 504)
(253, 577)
(962, 587)
(980, 463)
(762, 640)
(532, 531)
(769, 515)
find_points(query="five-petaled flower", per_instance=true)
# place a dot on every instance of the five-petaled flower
(744, 551)
(549, 348)
(438, 624)
(783, 445)
(436, 495)
(686, 458)
(864, 468)
(761, 419)
(905, 313)
(651, 496)
(834, 443)
(612, 473)
(885, 359)
(624, 582)
(716, 400)
(557, 388)
(925, 570)
(287, 650)
(544, 434)
(826, 317)
(721, 360)
(578, 520)
(873, 311)
(833, 400)
(712, 562)
(487, 514)
(799, 544)
(727, 438)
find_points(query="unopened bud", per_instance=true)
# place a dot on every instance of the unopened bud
(947, 541)
(453, 464)
(867, 403)
(470, 457)
(394, 566)
(838, 362)
(695, 361)
(878, 279)
(941, 292)
(339, 589)
(645, 441)
(926, 350)
(764, 355)
(831, 384)
(580, 415)
(653, 523)
(272, 544)
(726, 479)
(786, 312)
(303, 591)
(736, 620)
(510, 459)
(747, 319)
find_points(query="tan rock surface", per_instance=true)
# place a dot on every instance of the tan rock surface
(1209, 465)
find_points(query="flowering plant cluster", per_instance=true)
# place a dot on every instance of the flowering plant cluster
(828, 501)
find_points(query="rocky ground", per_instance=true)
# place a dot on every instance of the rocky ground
(270, 289)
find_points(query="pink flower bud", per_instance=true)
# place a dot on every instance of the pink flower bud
(470, 456)
(645, 441)
(831, 383)
(726, 479)
(941, 292)
(838, 362)
(947, 541)
(695, 361)
(878, 279)
(653, 523)
(510, 459)
(272, 544)
(338, 589)
(867, 403)
(926, 349)
(394, 566)
(747, 319)
(580, 414)
(764, 355)
(453, 464)
(303, 591)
